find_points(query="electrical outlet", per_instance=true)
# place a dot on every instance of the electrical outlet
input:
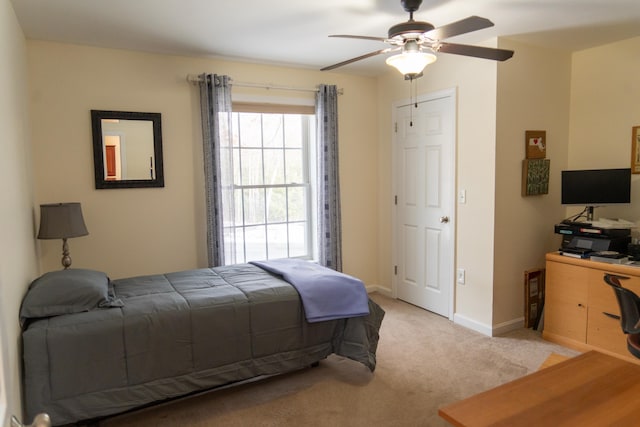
(460, 276)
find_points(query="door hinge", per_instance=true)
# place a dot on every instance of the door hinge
(395, 200)
(395, 127)
(395, 270)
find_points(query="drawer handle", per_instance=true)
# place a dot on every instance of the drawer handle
(611, 315)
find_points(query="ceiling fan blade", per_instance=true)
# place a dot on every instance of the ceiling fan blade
(476, 51)
(467, 25)
(346, 36)
(365, 56)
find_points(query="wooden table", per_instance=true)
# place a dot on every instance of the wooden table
(592, 389)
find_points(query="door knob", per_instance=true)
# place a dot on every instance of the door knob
(444, 219)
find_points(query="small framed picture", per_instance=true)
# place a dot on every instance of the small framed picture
(533, 297)
(635, 149)
(535, 144)
(535, 176)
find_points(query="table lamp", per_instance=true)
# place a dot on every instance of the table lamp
(62, 221)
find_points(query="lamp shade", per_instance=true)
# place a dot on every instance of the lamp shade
(411, 62)
(61, 220)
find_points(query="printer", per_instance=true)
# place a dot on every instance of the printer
(585, 237)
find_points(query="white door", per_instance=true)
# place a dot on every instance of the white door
(424, 183)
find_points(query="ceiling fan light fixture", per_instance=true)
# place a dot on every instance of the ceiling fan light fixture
(411, 62)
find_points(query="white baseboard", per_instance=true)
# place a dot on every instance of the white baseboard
(379, 289)
(488, 330)
(472, 324)
(511, 325)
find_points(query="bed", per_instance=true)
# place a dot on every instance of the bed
(93, 347)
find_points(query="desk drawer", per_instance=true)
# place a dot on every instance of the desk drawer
(602, 295)
(605, 332)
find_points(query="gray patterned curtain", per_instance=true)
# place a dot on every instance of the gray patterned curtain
(215, 105)
(329, 222)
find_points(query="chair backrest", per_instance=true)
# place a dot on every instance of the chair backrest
(629, 304)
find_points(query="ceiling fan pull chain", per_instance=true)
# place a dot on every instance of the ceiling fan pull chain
(410, 102)
(413, 98)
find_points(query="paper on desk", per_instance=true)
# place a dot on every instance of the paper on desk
(612, 223)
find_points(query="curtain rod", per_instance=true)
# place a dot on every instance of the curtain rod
(191, 78)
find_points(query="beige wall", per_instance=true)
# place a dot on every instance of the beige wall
(18, 265)
(605, 94)
(475, 80)
(141, 231)
(533, 94)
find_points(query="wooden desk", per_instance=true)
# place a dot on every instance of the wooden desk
(580, 309)
(592, 389)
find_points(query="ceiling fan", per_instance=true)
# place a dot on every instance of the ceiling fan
(418, 42)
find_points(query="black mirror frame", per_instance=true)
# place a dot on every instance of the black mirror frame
(98, 159)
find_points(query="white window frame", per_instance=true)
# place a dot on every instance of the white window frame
(260, 106)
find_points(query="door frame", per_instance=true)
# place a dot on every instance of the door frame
(445, 93)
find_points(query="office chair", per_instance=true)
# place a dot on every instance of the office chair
(629, 304)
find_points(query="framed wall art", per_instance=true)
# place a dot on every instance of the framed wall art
(535, 176)
(535, 144)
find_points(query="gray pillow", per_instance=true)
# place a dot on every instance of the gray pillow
(67, 291)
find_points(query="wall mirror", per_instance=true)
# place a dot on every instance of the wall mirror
(127, 149)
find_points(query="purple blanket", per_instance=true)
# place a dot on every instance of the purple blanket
(326, 294)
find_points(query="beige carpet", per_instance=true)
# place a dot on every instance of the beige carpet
(424, 362)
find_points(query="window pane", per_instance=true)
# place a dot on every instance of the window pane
(298, 240)
(238, 216)
(254, 206)
(297, 204)
(226, 161)
(277, 241)
(295, 165)
(239, 245)
(276, 205)
(255, 243)
(230, 237)
(272, 130)
(237, 180)
(273, 166)
(251, 160)
(250, 130)
(293, 130)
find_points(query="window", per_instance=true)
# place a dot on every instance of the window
(272, 184)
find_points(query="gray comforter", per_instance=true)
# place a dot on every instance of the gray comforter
(179, 333)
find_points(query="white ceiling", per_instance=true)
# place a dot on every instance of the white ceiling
(294, 32)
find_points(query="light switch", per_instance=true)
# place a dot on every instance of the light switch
(462, 197)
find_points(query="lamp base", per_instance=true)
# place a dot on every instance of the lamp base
(66, 258)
